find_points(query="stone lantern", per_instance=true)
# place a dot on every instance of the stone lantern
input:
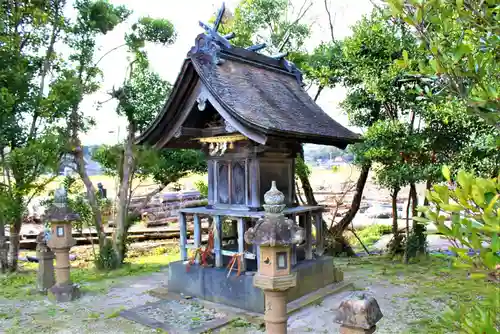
(275, 234)
(60, 240)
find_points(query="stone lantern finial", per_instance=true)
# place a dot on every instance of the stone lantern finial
(274, 229)
(60, 197)
(274, 200)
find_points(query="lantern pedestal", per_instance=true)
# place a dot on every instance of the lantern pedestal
(275, 292)
(64, 290)
(64, 293)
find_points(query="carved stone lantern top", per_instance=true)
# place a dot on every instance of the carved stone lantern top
(274, 229)
(359, 310)
(59, 211)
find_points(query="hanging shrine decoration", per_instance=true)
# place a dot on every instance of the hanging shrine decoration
(219, 145)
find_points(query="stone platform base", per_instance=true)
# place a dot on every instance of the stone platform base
(212, 284)
(64, 293)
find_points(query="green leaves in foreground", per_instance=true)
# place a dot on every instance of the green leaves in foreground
(480, 318)
(474, 208)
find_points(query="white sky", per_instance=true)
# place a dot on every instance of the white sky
(167, 61)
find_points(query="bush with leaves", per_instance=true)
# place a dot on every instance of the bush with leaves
(481, 318)
(474, 206)
(202, 187)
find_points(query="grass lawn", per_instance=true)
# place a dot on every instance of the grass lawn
(434, 284)
(21, 284)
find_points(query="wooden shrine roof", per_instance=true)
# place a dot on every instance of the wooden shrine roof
(258, 94)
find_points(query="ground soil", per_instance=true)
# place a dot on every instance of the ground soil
(98, 312)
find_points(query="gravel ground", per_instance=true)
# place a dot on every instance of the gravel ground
(394, 306)
(98, 313)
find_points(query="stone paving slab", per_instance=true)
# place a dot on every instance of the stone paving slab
(177, 316)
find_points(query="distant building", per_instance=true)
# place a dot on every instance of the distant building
(68, 165)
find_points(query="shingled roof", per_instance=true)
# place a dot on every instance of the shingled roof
(261, 93)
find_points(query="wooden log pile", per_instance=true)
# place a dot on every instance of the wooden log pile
(163, 209)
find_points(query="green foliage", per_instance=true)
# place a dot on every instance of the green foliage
(151, 30)
(432, 287)
(202, 187)
(416, 242)
(474, 207)
(266, 21)
(301, 168)
(480, 318)
(459, 40)
(369, 235)
(325, 66)
(142, 97)
(107, 258)
(163, 166)
(99, 16)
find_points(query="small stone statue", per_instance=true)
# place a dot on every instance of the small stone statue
(102, 192)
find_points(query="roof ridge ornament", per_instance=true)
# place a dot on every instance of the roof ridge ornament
(210, 42)
(208, 45)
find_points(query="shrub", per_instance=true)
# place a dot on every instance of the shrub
(202, 187)
(107, 258)
(474, 207)
(369, 235)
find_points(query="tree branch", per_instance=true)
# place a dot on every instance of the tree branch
(107, 53)
(287, 34)
(45, 69)
(330, 20)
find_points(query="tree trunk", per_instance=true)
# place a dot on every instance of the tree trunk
(342, 225)
(122, 222)
(394, 198)
(418, 229)
(414, 199)
(428, 186)
(410, 199)
(15, 230)
(3, 247)
(306, 185)
(91, 193)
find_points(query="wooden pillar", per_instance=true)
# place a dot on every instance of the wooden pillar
(241, 242)
(320, 243)
(294, 246)
(197, 236)
(218, 241)
(211, 183)
(308, 230)
(254, 184)
(183, 235)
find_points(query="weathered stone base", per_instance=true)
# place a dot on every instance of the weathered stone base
(212, 284)
(64, 293)
(353, 330)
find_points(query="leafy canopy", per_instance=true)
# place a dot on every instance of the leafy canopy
(462, 50)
